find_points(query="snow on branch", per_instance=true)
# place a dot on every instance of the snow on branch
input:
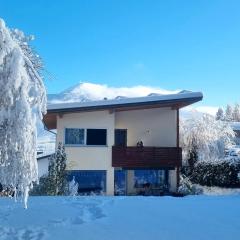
(22, 101)
(206, 137)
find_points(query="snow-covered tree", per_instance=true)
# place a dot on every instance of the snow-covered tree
(204, 139)
(220, 114)
(228, 113)
(73, 187)
(236, 113)
(57, 172)
(55, 182)
(22, 101)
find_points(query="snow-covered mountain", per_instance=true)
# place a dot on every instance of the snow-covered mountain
(84, 92)
(72, 94)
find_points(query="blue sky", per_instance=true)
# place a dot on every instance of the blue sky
(168, 44)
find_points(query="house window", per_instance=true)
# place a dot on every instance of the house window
(86, 137)
(155, 178)
(74, 136)
(97, 137)
(89, 181)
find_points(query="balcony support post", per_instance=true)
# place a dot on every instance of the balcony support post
(178, 167)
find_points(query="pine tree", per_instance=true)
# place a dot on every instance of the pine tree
(220, 114)
(62, 172)
(57, 176)
(236, 113)
(228, 114)
(55, 183)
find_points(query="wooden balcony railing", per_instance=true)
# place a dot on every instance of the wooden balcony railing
(146, 157)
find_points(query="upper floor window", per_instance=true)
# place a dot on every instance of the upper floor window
(74, 136)
(97, 137)
(91, 137)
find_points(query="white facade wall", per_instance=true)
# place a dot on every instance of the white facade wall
(154, 127)
(89, 157)
(173, 180)
(43, 166)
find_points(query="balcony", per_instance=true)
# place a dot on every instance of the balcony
(146, 157)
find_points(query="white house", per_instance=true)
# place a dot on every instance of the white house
(43, 162)
(45, 148)
(123, 146)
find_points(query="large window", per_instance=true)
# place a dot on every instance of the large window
(89, 181)
(86, 137)
(155, 178)
(74, 136)
(146, 182)
(96, 137)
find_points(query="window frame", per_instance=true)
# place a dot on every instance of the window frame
(85, 138)
(72, 173)
(72, 144)
(105, 145)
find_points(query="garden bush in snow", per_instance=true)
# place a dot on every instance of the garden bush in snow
(223, 173)
(187, 188)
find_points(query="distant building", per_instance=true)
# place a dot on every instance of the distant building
(43, 161)
(45, 148)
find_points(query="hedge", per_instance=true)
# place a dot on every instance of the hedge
(221, 174)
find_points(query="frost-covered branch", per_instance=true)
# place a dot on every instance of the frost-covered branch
(205, 137)
(23, 100)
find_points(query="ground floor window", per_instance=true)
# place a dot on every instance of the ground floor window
(141, 182)
(89, 181)
(155, 178)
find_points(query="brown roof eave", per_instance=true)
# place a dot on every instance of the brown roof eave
(50, 119)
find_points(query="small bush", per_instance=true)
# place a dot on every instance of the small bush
(43, 188)
(187, 188)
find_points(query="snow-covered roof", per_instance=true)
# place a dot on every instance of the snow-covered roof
(176, 101)
(153, 99)
(45, 147)
(235, 126)
(44, 155)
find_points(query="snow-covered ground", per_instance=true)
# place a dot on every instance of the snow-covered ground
(121, 218)
(217, 191)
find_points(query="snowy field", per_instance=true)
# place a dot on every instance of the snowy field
(121, 218)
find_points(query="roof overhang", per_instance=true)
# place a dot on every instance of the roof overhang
(175, 101)
(44, 156)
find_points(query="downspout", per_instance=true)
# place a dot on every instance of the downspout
(177, 143)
